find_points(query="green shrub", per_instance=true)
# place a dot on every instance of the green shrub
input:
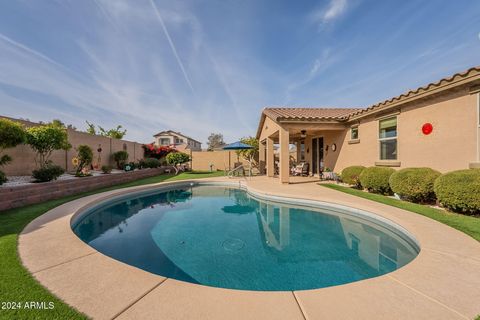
(459, 191)
(351, 175)
(47, 173)
(149, 163)
(375, 179)
(106, 169)
(3, 178)
(175, 158)
(11, 135)
(120, 158)
(85, 157)
(414, 184)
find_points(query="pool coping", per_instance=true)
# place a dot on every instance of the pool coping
(446, 267)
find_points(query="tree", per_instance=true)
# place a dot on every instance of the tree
(91, 128)
(45, 139)
(11, 134)
(175, 159)
(251, 155)
(115, 133)
(215, 140)
(59, 123)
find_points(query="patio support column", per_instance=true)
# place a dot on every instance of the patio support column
(284, 156)
(270, 158)
(261, 157)
(299, 145)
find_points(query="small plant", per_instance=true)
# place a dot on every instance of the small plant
(130, 166)
(376, 179)
(45, 139)
(3, 178)
(414, 184)
(351, 176)
(177, 158)
(459, 191)
(47, 173)
(85, 158)
(120, 158)
(107, 169)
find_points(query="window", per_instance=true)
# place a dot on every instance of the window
(178, 140)
(354, 133)
(164, 141)
(302, 151)
(387, 136)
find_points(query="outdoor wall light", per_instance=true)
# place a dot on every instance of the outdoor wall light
(303, 134)
(334, 147)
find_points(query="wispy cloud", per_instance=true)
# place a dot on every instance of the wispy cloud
(330, 13)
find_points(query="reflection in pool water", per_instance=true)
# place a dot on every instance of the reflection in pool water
(223, 237)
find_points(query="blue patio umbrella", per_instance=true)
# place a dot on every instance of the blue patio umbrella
(238, 146)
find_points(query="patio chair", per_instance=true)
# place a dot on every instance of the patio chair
(301, 169)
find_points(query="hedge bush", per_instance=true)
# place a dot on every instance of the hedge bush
(351, 175)
(459, 191)
(149, 163)
(47, 173)
(414, 184)
(3, 178)
(375, 179)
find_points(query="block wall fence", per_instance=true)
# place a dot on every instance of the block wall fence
(24, 157)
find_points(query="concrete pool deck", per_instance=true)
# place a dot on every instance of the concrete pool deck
(442, 282)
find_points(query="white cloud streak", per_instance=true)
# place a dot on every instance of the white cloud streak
(172, 45)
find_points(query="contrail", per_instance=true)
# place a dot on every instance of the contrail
(37, 54)
(172, 46)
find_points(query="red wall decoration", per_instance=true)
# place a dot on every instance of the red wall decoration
(427, 128)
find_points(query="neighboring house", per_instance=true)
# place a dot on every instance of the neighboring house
(436, 126)
(180, 141)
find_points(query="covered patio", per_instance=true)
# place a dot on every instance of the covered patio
(317, 133)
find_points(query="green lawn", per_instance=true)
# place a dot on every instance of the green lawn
(16, 283)
(467, 224)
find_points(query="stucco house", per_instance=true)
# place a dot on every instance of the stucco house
(180, 141)
(436, 126)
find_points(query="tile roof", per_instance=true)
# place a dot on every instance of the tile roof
(470, 74)
(338, 114)
(167, 132)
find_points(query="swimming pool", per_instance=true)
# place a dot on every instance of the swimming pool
(224, 236)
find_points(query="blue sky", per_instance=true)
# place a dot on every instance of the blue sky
(211, 66)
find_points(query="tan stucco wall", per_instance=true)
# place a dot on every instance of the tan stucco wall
(269, 128)
(201, 160)
(452, 145)
(24, 157)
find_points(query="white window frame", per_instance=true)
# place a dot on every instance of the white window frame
(386, 139)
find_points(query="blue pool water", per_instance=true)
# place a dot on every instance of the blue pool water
(223, 237)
